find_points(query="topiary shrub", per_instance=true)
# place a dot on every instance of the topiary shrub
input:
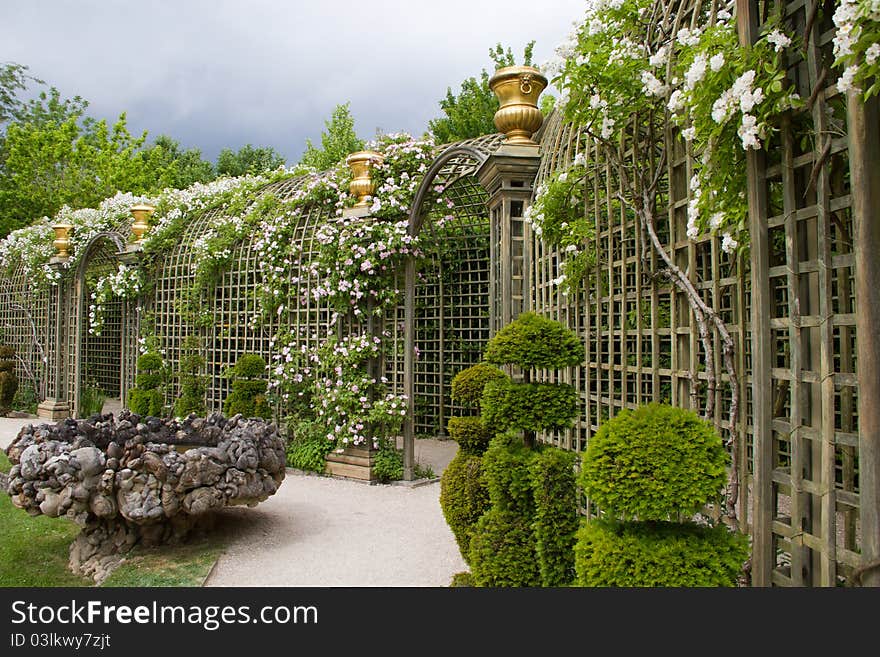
(248, 396)
(463, 579)
(506, 474)
(471, 434)
(655, 463)
(502, 550)
(556, 518)
(192, 384)
(658, 554)
(467, 385)
(8, 379)
(533, 341)
(528, 406)
(146, 398)
(463, 497)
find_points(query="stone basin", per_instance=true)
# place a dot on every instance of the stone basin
(129, 479)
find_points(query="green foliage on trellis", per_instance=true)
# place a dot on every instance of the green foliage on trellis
(248, 396)
(146, 397)
(528, 406)
(467, 385)
(556, 518)
(533, 341)
(658, 554)
(463, 497)
(655, 463)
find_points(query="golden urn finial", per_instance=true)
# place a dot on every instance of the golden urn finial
(141, 224)
(61, 242)
(517, 89)
(361, 185)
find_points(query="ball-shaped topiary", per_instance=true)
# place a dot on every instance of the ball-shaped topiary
(463, 497)
(533, 341)
(655, 463)
(467, 385)
(658, 554)
(502, 550)
(470, 433)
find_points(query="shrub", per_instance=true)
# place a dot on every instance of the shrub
(91, 401)
(655, 463)
(26, 398)
(192, 386)
(506, 474)
(533, 341)
(556, 519)
(502, 550)
(657, 554)
(463, 497)
(146, 398)
(467, 385)
(8, 379)
(248, 396)
(388, 464)
(470, 433)
(307, 445)
(463, 579)
(528, 406)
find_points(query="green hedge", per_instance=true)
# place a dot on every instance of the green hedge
(467, 385)
(506, 474)
(470, 433)
(556, 518)
(502, 550)
(532, 341)
(528, 406)
(655, 463)
(657, 554)
(463, 497)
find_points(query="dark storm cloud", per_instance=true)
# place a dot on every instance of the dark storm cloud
(225, 73)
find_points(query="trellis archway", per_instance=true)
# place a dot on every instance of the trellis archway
(98, 360)
(452, 171)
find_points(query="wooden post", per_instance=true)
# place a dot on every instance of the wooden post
(864, 156)
(762, 495)
(409, 344)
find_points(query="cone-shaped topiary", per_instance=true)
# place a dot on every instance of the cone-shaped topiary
(146, 397)
(8, 379)
(533, 341)
(463, 498)
(467, 385)
(248, 396)
(655, 463)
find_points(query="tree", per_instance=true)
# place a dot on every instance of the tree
(471, 113)
(337, 142)
(166, 164)
(13, 78)
(248, 159)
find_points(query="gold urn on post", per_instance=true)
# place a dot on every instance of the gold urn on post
(361, 185)
(517, 89)
(62, 239)
(141, 223)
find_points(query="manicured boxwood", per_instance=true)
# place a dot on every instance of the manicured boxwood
(556, 518)
(467, 385)
(146, 398)
(8, 378)
(470, 433)
(657, 554)
(655, 463)
(528, 406)
(506, 473)
(464, 497)
(248, 396)
(502, 550)
(533, 341)
(192, 385)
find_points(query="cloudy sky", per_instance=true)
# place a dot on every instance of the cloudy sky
(223, 73)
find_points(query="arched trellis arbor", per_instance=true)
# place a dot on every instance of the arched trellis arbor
(456, 163)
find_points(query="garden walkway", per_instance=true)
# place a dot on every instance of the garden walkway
(320, 531)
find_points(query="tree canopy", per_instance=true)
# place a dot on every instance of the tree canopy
(337, 142)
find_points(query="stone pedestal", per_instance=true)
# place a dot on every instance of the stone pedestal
(353, 463)
(52, 409)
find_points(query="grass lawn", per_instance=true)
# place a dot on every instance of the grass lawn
(34, 551)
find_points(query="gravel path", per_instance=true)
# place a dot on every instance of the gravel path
(321, 531)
